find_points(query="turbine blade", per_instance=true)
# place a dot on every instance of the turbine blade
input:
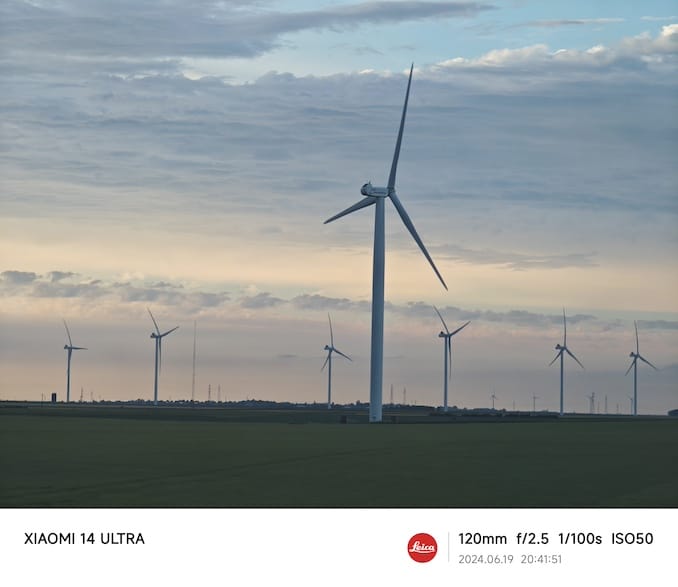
(325, 363)
(637, 346)
(168, 332)
(79, 348)
(413, 231)
(396, 154)
(154, 322)
(343, 355)
(554, 358)
(70, 342)
(564, 329)
(366, 201)
(461, 328)
(630, 366)
(575, 358)
(441, 319)
(648, 362)
(331, 335)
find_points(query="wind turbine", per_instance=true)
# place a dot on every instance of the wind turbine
(447, 351)
(330, 348)
(377, 196)
(70, 348)
(494, 397)
(158, 353)
(634, 365)
(562, 349)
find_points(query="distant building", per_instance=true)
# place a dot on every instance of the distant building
(673, 413)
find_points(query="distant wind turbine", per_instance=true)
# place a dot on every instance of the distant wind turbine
(494, 397)
(158, 353)
(70, 348)
(562, 349)
(634, 364)
(447, 351)
(330, 348)
(377, 196)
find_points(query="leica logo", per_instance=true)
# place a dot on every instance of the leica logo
(422, 547)
(418, 547)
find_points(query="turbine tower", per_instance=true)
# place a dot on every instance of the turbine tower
(447, 352)
(158, 353)
(330, 348)
(377, 196)
(70, 348)
(634, 364)
(562, 349)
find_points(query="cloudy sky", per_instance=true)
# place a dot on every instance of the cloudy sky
(183, 156)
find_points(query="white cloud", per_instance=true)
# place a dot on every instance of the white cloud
(637, 49)
(658, 18)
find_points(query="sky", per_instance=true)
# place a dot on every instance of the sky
(183, 156)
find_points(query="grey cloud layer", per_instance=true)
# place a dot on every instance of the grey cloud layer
(572, 22)
(71, 285)
(190, 29)
(188, 300)
(513, 137)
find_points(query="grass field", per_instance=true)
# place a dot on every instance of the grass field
(148, 458)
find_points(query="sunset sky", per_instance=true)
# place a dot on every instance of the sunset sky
(182, 156)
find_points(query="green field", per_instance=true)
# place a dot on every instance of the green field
(185, 458)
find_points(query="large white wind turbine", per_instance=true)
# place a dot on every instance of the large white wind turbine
(634, 365)
(158, 353)
(70, 348)
(377, 195)
(330, 348)
(447, 352)
(562, 349)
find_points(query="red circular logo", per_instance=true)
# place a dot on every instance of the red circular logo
(422, 547)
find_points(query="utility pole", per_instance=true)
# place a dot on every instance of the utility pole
(195, 330)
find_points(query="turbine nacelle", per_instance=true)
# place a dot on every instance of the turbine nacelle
(559, 347)
(328, 348)
(441, 334)
(369, 190)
